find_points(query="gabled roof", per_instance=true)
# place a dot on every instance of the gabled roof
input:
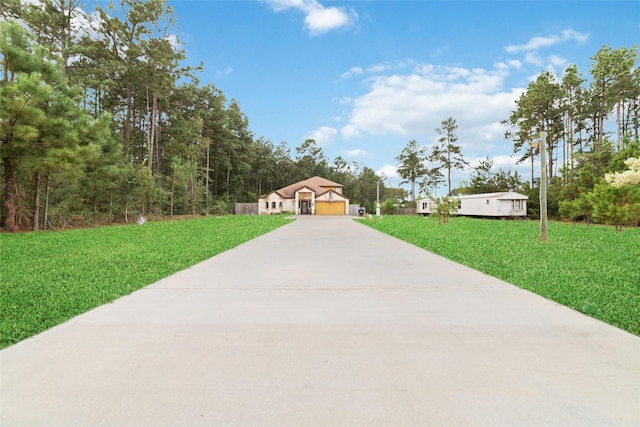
(314, 184)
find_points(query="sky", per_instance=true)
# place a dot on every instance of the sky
(363, 78)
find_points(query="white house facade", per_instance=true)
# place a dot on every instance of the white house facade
(503, 205)
(313, 196)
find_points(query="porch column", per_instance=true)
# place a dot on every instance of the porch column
(313, 203)
(296, 206)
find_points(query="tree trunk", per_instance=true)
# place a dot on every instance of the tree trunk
(570, 125)
(192, 185)
(206, 194)
(550, 153)
(10, 195)
(127, 122)
(229, 173)
(413, 192)
(152, 135)
(45, 220)
(619, 127)
(173, 185)
(158, 137)
(532, 166)
(449, 166)
(36, 202)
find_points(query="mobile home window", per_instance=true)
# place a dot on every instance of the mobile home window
(273, 205)
(280, 205)
(487, 201)
(516, 205)
(424, 205)
(266, 205)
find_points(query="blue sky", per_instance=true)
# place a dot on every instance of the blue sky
(363, 78)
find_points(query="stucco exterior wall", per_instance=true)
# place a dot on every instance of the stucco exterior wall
(271, 204)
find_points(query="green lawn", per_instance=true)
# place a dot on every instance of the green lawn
(47, 278)
(592, 269)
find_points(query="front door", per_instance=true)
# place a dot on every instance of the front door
(305, 207)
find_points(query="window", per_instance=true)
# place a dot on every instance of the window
(273, 205)
(516, 205)
(280, 205)
(487, 201)
(338, 190)
(424, 205)
(266, 205)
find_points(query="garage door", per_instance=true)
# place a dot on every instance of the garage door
(329, 208)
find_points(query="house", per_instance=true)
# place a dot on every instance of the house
(313, 196)
(502, 205)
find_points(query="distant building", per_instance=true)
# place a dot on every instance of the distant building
(313, 196)
(502, 205)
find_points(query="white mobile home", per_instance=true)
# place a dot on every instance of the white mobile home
(498, 205)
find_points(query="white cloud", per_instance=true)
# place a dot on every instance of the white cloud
(558, 61)
(515, 63)
(502, 161)
(323, 135)
(510, 64)
(379, 68)
(539, 42)
(557, 64)
(534, 58)
(175, 42)
(414, 105)
(372, 69)
(388, 171)
(357, 152)
(318, 18)
(354, 71)
(350, 132)
(224, 72)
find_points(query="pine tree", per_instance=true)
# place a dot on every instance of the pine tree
(411, 166)
(448, 155)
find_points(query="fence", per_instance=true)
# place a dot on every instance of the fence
(246, 209)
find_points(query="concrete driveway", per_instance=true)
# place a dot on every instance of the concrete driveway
(325, 322)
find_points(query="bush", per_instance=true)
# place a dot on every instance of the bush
(389, 207)
(445, 207)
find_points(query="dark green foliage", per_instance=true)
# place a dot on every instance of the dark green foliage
(47, 278)
(483, 180)
(592, 269)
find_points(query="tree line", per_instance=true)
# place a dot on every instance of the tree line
(581, 153)
(100, 121)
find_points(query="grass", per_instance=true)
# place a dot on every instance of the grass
(49, 277)
(592, 269)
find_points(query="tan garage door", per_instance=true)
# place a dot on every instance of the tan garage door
(329, 208)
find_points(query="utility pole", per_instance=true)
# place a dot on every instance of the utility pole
(378, 199)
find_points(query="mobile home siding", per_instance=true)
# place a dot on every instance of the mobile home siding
(508, 204)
